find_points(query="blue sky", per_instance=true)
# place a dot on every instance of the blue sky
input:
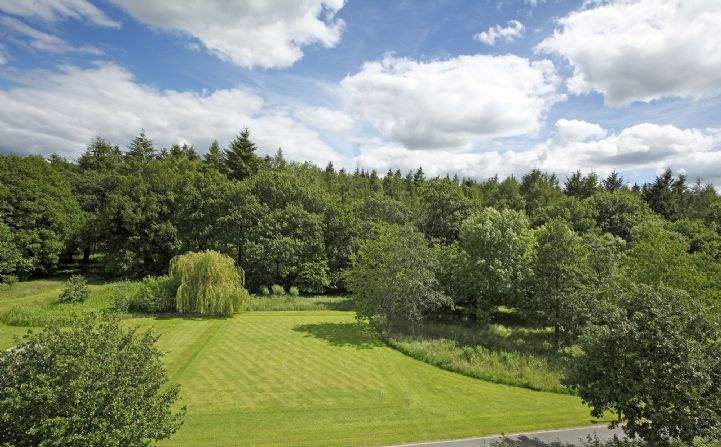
(470, 87)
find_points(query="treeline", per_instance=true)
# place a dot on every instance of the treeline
(296, 224)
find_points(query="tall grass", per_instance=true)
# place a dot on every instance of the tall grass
(290, 303)
(515, 356)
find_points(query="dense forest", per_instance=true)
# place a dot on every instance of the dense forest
(610, 268)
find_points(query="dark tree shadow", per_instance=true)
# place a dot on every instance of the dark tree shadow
(357, 335)
(343, 305)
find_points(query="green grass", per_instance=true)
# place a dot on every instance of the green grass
(321, 379)
(318, 378)
(508, 355)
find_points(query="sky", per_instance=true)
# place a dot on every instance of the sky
(469, 87)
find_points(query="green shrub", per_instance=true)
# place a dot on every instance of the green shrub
(277, 290)
(9, 280)
(75, 290)
(92, 384)
(208, 284)
(156, 294)
(293, 291)
(264, 291)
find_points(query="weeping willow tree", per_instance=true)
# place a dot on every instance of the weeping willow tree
(208, 284)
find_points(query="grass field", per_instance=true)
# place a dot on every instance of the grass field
(317, 378)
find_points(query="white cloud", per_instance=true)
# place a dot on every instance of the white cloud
(62, 111)
(57, 10)
(509, 33)
(641, 50)
(248, 33)
(41, 40)
(577, 130)
(645, 146)
(324, 119)
(449, 103)
(575, 145)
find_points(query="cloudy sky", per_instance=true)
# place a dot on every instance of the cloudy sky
(473, 87)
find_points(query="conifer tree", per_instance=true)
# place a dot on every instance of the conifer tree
(241, 160)
(214, 157)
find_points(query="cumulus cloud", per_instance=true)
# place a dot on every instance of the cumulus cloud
(324, 119)
(641, 50)
(248, 33)
(57, 10)
(509, 33)
(62, 111)
(574, 145)
(449, 103)
(42, 41)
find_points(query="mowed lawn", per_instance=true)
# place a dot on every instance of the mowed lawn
(317, 378)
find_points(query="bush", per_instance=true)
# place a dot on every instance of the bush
(264, 291)
(277, 290)
(293, 291)
(93, 384)
(208, 284)
(9, 280)
(75, 290)
(156, 294)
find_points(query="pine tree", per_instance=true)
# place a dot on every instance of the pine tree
(241, 160)
(214, 157)
(141, 149)
(613, 182)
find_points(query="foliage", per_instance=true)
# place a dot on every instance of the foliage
(75, 290)
(264, 290)
(208, 284)
(655, 364)
(497, 250)
(293, 291)
(39, 215)
(156, 294)
(562, 292)
(277, 289)
(407, 290)
(618, 212)
(89, 385)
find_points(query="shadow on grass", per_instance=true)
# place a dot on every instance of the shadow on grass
(343, 305)
(357, 335)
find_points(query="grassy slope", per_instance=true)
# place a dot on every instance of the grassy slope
(315, 378)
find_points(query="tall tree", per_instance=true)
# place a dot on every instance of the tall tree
(407, 290)
(141, 149)
(241, 160)
(498, 247)
(614, 182)
(214, 157)
(581, 186)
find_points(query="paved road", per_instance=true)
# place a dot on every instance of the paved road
(552, 438)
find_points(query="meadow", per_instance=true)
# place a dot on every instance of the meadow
(310, 378)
